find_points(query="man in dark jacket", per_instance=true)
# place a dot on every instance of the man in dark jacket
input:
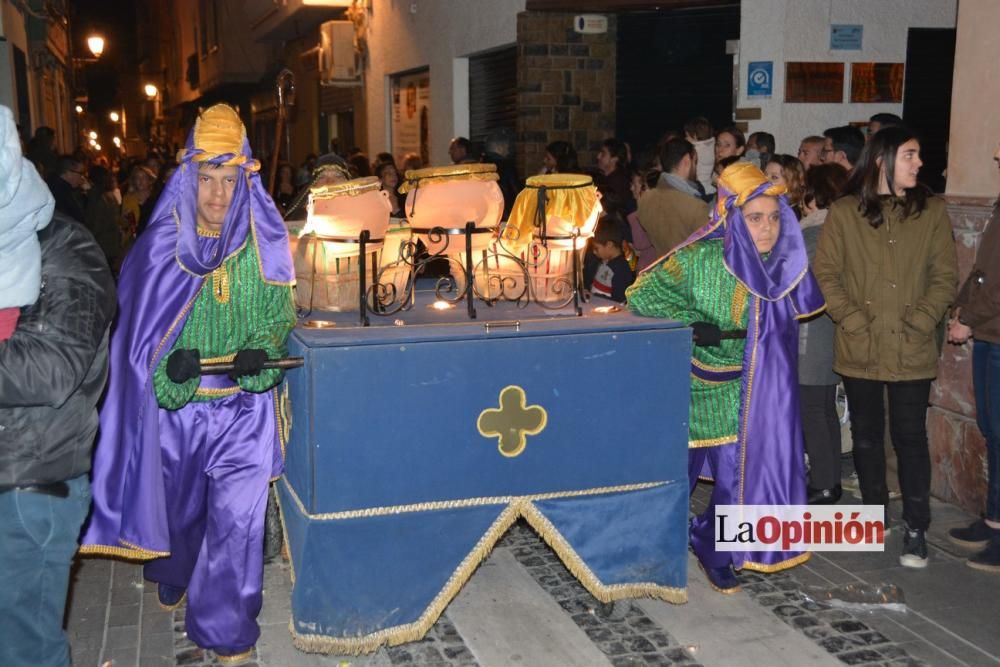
(67, 187)
(976, 314)
(52, 372)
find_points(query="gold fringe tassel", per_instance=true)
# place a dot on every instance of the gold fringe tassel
(518, 507)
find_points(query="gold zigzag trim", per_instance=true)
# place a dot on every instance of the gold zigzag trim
(520, 506)
(601, 591)
(464, 502)
(401, 634)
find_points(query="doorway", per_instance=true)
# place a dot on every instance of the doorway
(672, 65)
(930, 65)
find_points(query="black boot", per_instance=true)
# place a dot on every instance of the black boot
(824, 496)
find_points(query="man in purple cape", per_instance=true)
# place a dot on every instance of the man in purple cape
(183, 461)
(745, 271)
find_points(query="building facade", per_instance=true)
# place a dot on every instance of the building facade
(36, 68)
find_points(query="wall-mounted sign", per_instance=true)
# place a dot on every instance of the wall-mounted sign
(590, 24)
(846, 37)
(877, 82)
(814, 82)
(760, 78)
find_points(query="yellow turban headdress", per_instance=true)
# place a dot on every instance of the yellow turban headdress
(218, 132)
(740, 182)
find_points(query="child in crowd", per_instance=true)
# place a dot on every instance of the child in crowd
(612, 275)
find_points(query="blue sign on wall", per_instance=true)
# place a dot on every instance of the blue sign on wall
(760, 77)
(846, 37)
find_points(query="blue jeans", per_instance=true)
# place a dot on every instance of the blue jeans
(38, 538)
(986, 380)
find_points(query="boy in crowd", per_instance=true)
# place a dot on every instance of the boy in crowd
(610, 277)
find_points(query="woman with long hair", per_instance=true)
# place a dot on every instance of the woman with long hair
(786, 170)
(887, 266)
(560, 158)
(389, 179)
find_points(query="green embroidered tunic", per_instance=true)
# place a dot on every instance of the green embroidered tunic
(234, 310)
(693, 285)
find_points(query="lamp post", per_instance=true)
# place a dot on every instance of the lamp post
(95, 44)
(152, 93)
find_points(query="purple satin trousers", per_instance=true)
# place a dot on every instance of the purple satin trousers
(218, 458)
(721, 463)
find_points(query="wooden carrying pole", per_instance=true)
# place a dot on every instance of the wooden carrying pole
(284, 87)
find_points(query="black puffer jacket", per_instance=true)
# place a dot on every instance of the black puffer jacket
(53, 369)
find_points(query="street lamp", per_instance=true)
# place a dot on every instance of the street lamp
(151, 91)
(96, 45)
(114, 116)
(79, 109)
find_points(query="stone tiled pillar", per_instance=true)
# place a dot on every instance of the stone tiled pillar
(565, 87)
(958, 452)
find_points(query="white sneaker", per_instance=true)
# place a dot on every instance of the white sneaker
(914, 549)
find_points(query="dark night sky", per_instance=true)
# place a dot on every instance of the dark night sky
(115, 20)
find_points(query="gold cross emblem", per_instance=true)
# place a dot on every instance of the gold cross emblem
(513, 422)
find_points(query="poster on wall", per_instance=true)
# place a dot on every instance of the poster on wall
(759, 76)
(411, 101)
(846, 37)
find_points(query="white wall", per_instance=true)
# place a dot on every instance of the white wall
(799, 30)
(434, 35)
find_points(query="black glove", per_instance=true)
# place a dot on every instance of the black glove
(248, 362)
(183, 365)
(706, 334)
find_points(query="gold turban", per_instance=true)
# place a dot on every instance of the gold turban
(743, 180)
(219, 131)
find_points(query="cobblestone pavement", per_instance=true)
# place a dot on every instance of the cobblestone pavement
(114, 617)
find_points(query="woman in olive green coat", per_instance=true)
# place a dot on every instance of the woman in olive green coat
(887, 266)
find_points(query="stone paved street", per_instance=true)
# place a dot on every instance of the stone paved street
(522, 607)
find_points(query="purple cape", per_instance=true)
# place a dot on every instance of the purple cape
(782, 290)
(160, 279)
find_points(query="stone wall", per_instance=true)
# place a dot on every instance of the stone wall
(958, 451)
(566, 87)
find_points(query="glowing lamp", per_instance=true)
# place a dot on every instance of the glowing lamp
(96, 45)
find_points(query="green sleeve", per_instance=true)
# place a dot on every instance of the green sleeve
(663, 292)
(169, 394)
(277, 320)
